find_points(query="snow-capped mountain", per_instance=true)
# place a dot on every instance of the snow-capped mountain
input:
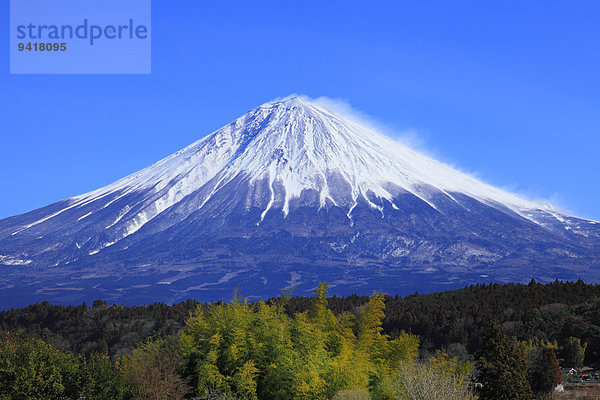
(289, 193)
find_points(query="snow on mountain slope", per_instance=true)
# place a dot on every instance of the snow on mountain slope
(299, 145)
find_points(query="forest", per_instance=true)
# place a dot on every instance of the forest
(319, 347)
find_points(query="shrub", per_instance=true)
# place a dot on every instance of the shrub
(352, 394)
(152, 370)
(426, 382)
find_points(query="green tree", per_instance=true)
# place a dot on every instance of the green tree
(573, 352)
(502, 371)
(103, 379)
(31, 369)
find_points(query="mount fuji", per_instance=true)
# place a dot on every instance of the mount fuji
(288, 194)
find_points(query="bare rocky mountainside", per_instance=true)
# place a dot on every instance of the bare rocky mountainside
(288, 194)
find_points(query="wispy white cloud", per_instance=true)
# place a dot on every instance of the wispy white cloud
(418, 140)
(409, 137)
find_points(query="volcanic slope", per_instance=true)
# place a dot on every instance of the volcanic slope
(288, 194)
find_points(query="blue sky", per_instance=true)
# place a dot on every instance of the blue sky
(507, 90)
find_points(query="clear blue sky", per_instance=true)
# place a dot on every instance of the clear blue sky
(509, 90)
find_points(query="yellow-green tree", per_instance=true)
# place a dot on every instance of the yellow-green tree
(256, 351)
(461, 370)
(573, 352)
(32, 369)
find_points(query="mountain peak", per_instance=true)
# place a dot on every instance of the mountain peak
(292, 100)
(295, 106)
(294, 146)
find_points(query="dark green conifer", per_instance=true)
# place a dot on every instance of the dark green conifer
(502, 371)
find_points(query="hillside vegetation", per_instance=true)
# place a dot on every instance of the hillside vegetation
(320, 347)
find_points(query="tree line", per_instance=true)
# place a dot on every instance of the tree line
(245, 351)
(318, 347)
